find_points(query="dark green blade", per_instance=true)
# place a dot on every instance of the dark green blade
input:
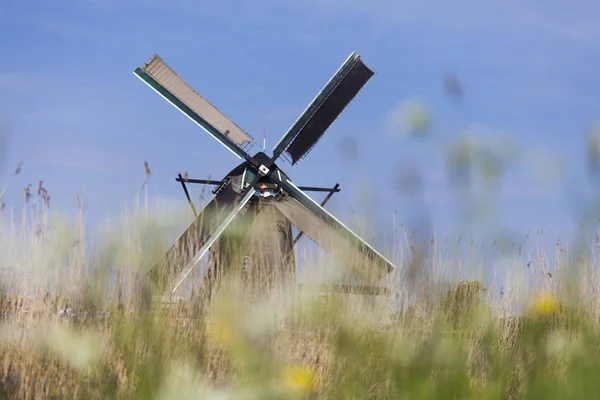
(324, 109)
(326, 230)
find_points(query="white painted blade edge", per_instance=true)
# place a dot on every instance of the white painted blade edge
(183, 275)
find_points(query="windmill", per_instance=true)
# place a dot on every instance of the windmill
(257, 199)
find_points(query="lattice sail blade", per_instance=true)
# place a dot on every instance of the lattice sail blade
(197, 239)
(162, 79)
(333, 236)
(325, 108)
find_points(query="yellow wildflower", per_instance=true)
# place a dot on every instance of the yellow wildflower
(544, 304)
(299, 378)
(219, 332)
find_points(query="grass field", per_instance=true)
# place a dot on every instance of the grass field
(98, 334)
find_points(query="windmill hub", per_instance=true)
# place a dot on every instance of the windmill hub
(239, 193)
(263, 170)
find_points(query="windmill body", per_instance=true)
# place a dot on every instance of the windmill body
(255, 205)
(261, 236)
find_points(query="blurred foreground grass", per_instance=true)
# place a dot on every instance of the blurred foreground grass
(97, 335)
(78, 320)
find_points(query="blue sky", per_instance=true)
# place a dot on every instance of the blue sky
(77, 116)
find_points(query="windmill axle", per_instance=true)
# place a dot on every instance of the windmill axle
(213, 182)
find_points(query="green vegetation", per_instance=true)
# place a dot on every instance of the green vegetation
(111, 341)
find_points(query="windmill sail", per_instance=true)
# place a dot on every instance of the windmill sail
(333, 236)
(185, 254)
(176, 91)
(324, 109)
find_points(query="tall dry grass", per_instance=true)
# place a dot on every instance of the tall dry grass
(81, 320)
